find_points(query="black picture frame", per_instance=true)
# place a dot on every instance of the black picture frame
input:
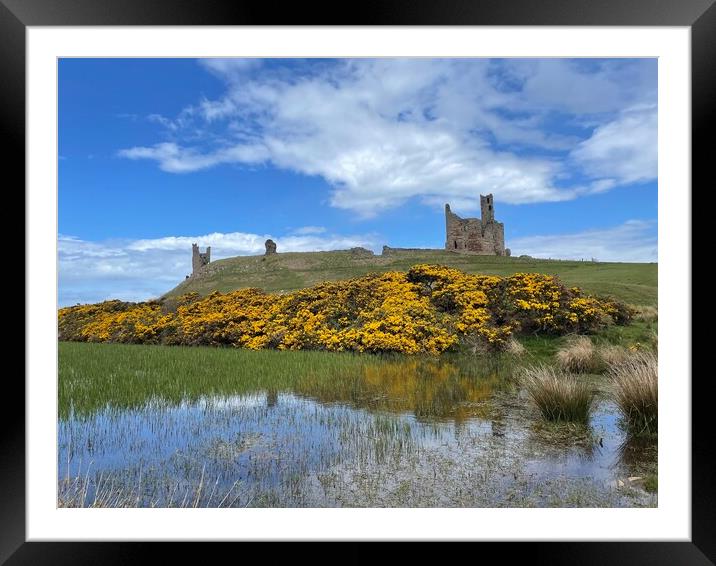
(17, 15)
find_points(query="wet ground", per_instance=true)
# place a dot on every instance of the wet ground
(404, 435)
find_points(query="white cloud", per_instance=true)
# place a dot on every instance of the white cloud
(175, 159)
(633, 241)
(383, 131)
(134, 270)
(306, 230)
(625, 149)
(567, 85)
(162, 120)
(230, 66)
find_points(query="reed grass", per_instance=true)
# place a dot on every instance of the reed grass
(123, 376)
(647, 313)
(611, 355)
(636, 390)
(515, 348)
(578, 355)
(107, 491)
(559, 396)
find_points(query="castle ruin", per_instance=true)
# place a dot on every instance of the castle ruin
(198, 259)
(480, 236)
(270, 247)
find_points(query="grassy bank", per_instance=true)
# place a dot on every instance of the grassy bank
(92, 376)
(634, 283)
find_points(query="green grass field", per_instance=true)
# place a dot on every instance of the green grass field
(634, 283)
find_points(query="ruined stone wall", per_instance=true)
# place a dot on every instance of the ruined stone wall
(198, 259)
(462, 234)
(474, 235)
(270, 246)
(495, 233)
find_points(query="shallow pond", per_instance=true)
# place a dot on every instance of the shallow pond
(402, 434)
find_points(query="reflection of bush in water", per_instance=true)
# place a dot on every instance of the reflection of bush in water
(424, 388)
(579, 437)
(638, 453)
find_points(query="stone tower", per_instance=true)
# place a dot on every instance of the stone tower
(481, 236)
(198, 259)
(486, 209)
(270, 247)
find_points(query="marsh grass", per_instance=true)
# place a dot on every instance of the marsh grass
(565, 433)
(611, 355)
(175, 427)
(559, 396)
(106, 490)
(579, 355)
(94, 376)
(646, 313)
(515, 348)
(638, 332)
(651, 483)
(635, 389)
(540, 349)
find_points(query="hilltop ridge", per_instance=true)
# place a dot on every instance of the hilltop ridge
(635, 283)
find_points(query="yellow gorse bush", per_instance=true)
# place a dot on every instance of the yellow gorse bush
(429, 309)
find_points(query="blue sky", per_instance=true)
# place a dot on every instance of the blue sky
(155, 154)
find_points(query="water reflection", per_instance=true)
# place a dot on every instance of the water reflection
(409, 433)
(638, 452)
(426, 389)
(271, 398)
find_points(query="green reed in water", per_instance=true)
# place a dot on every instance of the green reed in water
(92, 376)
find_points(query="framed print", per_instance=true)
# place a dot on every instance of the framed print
(265, 303)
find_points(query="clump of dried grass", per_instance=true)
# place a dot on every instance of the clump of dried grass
(559, 396)
(611, 355)
(578, 356)
(515, 348)
(646, 313)
(636, 390)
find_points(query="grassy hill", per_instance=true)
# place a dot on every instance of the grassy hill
(635, 283)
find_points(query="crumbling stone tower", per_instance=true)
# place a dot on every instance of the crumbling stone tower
(480, 236)
(198, 259)
(270, 247)
(486, 209)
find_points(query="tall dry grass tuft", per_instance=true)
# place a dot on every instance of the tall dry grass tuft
(646, 314)
(611, 355)
(578, 356)
(515, 348)
(558, 395)
(636, 390)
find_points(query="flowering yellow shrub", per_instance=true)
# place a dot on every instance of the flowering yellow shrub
(429, 309)
(113, 321)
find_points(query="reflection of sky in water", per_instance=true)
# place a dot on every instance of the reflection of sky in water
(226, 434)
(280, 443)
(593, 460)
